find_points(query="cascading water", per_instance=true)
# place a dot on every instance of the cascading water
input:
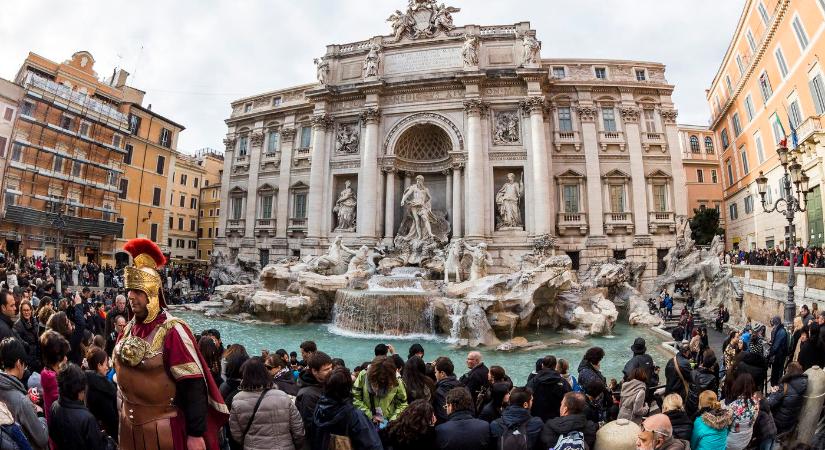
(456, 316)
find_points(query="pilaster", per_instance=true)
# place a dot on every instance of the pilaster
(677, 169)
(282, 212)
(474, 110)
(321, 124)
(539, 177)
(630, 119)
(595, 207)
(256, 142)
(368, 177)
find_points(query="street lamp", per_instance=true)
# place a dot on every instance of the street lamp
(788, 204)
(60, 224)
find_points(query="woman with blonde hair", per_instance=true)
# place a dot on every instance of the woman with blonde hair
(710, 429)
(796, 342)
(674, 409)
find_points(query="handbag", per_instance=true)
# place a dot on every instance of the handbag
(252, 418)
(682, 377)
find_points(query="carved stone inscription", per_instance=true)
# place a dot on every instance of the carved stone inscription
(422, 60)
(424, 96)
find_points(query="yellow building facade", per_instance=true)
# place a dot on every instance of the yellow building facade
(768, 88)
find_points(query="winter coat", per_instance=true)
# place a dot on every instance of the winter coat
(512, 418)
(681, 423)
(754, 365)
(710, 429)
(786, 403)
(475, 380)
(75, 354)
(276, 426)
(548, 390)
(286, 383)
(341, 418)
(676, 444)
(779, 344)
(14, 395)
(765, 427)
(632, 405)
(229, 389)
(7, 329)
(74, 427)
(442, 387)
(101, 399)
(673, 381)
(462, 432)
(48, 381)
(392, 401)
(588, 373)
(422, 441)
(29, 332)
(642, 360)
(310, 390)
(810, 354)
(554, 428)
(701, 379)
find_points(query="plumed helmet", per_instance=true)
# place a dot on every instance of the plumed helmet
(143, 275)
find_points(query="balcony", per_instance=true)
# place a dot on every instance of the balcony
(567, 138)
(607, 138)
(298, 224)
(661, 222)
(572, 224)
(808, 128)
(654, 139)
(265, 225)
(236, 226)
(84, 101)
(618, 223)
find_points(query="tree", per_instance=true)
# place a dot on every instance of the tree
(705, 225)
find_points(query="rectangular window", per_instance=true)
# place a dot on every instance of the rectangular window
(243, 145)
(197, 181)
(273, 142)
(134, 124)
(171, 223)
(729, 84)
(740, 64)
(801, 36)
(818, 93)
(795, 114)
(730, 172)
(161, 164)
(266, 207)
(700, 175)
(601, 73)
(193, 203)
(713, 177)
(745, 166)
(116, 140)
(127, 158)
(182, 200)
(156, 197)
(751, 41)
(617, 203)
(660, 197)
(192, 225)
(153, 235)
(57, 165)
(264, 253)
(200, 233)
(571, 198)
(748, 204)
(300, 208)
(17, 152)
(66, 122)
(734, 214)
(763, 12)
(183, 178)
(609, 119)
(650, 120)
(76, 166)
(725, 139)
(276, 101)
(565, 119)
(780, 62)
(84, 128)
(737, 126)
(209, 232)
(558, 72)
(180, 223)
(765, 87)
(760, 149)
(640, 75)
(8, 114)
(247, 107)
(3, 142)
(306, 137)
(749, 107)
(165, 138)
(27, 109)
(237, 206)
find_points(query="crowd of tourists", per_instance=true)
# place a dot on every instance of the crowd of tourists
(801, 256)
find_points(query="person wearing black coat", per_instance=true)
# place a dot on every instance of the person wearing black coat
(703, 378)
(335, 415)
(476, 379)
(810, 352)
(673, 408)
(676, 366)
(571, 418)
(101, 393)
(29, 331)
(755, 365)
(445, 382)
(517, 417)
(787, 398)
(548, 388)
(311, 387)
(71, 425)
(779, 349)
(8, 311)
(641, 359)
(492, 409)
(461, 431)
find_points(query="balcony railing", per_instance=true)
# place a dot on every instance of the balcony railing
(807, 128)
(67, 93)
(298, 223)
(572, 223)
(611, 138)
(649, 139)
(567, 138)
(618, 223)
(661, 221)
(266, 223)
(236, 225)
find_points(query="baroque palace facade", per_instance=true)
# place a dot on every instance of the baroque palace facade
(510, 146)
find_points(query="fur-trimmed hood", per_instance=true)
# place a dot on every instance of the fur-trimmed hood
(717, 418)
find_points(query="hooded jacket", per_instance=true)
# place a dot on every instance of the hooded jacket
(554, 428)
(673, 381)
(681, 423)
(786, 403)
(512, 418)
(701, 379)
(74, 427)
(588, 373)
(442, 387)
(710, 429)
(310, 390)
(391, 400)
(632, 405)
(641, 359)
(462, 432)
(548, 391)
(341, 418)
(13, 394)
(754, 365)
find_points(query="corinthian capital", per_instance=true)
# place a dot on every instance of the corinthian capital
(587, 113)
(229, 143)
(256, 139)
(669, 116)
(630, 114)
(534, 104)
(322, 121)
(371, 115)
(475, 106)
(288, 134)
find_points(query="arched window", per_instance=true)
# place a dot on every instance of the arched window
(694, 144)
(708, 144)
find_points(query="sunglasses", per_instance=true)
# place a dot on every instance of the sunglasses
(665, 435)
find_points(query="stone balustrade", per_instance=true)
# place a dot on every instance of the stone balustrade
(765, 289)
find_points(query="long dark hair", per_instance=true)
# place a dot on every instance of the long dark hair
(416, 382)
(211, 354)
(254, 376)
(413, 422)
(381, 375)
(743, 387)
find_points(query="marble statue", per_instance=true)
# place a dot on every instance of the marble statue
(360, 261)
(345, 208)
(481, 260)
(335, 261)
(400, 23)
(530, 51)
(322, 66)
(507, 128)
(443, 19)
(372, 61)
(470, 51)
(418, 202)
(507, 200)
(453, 260)
(423, 19)
(346, 141)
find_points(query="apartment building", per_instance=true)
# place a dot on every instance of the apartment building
(10, 96)
(702, 173)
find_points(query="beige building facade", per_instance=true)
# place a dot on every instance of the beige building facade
(770, 82)
(182, 216)
(510, 145)
(10, 96)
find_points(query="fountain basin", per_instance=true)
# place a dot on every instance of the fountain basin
(384, 312)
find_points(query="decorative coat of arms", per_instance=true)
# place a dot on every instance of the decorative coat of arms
(423, 19)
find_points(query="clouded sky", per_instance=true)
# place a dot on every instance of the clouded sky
(193, 57)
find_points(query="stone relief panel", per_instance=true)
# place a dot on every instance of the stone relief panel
(506, 127)
(347, 138)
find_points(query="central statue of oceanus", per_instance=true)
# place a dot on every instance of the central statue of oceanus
(422, 230)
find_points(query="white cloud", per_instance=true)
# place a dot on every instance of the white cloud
(197, 56)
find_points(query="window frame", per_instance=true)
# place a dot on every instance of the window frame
(709, 149)
(700, 175)
(603, 70)
(694, 144)
(781, 62)
(800, 33)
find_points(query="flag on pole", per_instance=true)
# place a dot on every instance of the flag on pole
(794, 137)
(783, 141)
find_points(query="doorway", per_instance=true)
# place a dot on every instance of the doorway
(815, 224)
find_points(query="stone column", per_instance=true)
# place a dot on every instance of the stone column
(630, 119)
(368, 177)
(256, 141)
(389, 205)
(595, 209)
(475, 169)
(539, 177)
(229, 157)
(457, 209)
(317, 175)
(282, 211)
(677, 169)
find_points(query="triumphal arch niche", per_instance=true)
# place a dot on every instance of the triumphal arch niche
(436, 131)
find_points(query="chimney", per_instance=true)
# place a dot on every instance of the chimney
(121, 78)
(149, 107)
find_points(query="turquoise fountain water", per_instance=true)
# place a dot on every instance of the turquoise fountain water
(355, 349)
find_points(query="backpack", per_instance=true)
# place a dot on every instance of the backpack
(12, 438)
(514, 438)
(573, 440)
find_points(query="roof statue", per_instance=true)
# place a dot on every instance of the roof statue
(423, 19)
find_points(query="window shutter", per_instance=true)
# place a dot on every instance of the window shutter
(817, 93)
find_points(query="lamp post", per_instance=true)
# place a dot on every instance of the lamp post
(60, 224)
(788, 204)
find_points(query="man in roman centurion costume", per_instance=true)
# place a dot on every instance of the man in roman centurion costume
(167, 399)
